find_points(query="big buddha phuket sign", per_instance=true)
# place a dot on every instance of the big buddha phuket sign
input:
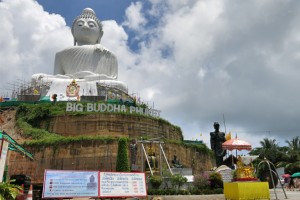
(107, 107)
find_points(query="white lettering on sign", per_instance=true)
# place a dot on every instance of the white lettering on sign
(89, 107)
(103, 107)
(74, 107)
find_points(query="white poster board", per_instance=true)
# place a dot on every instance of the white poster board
(61, 183)
(226, 175)
(69, 184)
(122, 184)
(4, 150)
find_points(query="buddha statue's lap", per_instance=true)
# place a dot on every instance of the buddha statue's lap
(88, 62)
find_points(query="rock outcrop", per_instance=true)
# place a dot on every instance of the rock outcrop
(98, 155)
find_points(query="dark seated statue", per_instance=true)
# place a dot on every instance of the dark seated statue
(176, 163)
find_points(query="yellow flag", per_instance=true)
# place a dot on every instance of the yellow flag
(228, 136)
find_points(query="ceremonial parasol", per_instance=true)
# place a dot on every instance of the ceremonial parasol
(297, 174)
(285, 175)
(236, 144)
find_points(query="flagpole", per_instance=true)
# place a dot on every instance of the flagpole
(224, 122)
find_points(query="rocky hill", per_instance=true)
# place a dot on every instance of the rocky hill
(89, 142)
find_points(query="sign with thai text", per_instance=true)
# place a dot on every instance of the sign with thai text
(106, 107)
(69, 184)
(226, 175)
(60, 184)
(118, 184)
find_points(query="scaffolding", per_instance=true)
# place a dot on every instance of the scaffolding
(14, 146)
(145, 155)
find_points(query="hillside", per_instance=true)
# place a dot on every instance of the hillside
(88, 141)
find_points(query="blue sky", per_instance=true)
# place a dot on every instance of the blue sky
(105, 9)
(198, 61)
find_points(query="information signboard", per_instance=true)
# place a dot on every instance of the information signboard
(121, 184)
(62, 184)
(226, 175)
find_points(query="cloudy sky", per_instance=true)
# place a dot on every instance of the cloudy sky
(198, 61)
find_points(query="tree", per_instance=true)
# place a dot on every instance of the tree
(286, 156)
(293, 152)
(9, 191)
(267, 143)
(270, 150)
(122, 157)
(294, 149)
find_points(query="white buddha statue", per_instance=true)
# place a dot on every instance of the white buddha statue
(87, 61)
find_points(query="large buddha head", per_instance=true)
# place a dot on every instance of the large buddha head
(87, 28)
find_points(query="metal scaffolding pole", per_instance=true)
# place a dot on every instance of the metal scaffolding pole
(147, 159)
(166, 158)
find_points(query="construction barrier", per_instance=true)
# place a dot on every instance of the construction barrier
(29, 195)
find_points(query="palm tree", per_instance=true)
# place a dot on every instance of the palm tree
(9, 191)
(269, 150)
(294, 149)
(267, 143)
(277, 155)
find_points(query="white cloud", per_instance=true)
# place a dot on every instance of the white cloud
(135, 18)
(198, 60)
(29, 39)
(226, 57)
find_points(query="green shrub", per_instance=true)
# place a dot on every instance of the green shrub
(177, 180)
(122, 164)
(155, 181)
(218, 191)
(167, 192)
(216, 180)
(9, 191)
(193, 191)
(201, 181)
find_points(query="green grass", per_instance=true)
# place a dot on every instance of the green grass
(30, 116)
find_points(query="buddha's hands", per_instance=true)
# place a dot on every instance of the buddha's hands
(83, 74)
(90, 76)
(100, 48)
(66, 76)
(97, 77)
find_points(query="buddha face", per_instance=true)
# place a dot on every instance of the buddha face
(87, 31)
